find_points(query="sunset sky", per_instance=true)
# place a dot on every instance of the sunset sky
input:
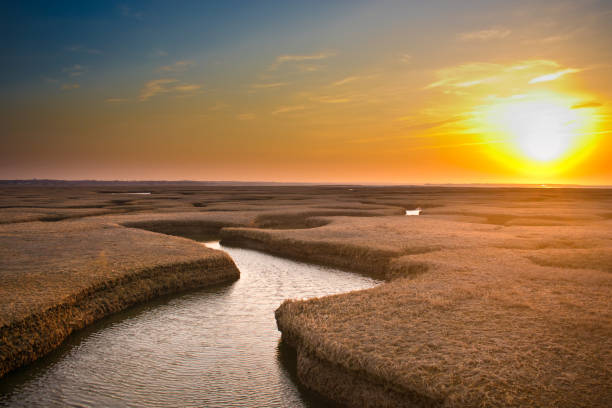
(308, 91)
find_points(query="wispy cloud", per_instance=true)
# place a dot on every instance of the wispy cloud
(165, 86)
(532, 64)
(268, 85)
(428, 125)
(178, 66)
(405, 58)
(555, 37)
(80, 48)
(495, 33)
(287, 109)
(458, 78)
(465, 75)
(554, 75)
(310, 68)
(155, 87)
(330, 99)
(74, 70)
(245, 116)
(186, 88)
(346, 80)
(289, 58)
(115, 100)
(69, 87)
(590, 104)
(467, 84)
(452, 145)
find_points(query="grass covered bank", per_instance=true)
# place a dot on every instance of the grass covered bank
(60, 277)
(497, 317)
(374, 262)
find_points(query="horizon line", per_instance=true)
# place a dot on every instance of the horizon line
(306, 183)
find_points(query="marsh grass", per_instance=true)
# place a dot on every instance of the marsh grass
(494, 296)
(59, 277)
(478, 324)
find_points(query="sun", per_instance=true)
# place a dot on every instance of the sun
(542, 130)
(540, 133)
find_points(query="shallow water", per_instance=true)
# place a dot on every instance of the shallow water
(216, 347)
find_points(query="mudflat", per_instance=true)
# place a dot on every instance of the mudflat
(493, 296)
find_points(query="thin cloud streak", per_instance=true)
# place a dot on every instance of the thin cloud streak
(289, 58)
(446, 146)
(591, 104)
(115, 100)
(479, 73)
(69, 87)
(268, 85)
(186, 88)
(155, 87)
(80, 48)
(178, 66)
(553, 76)
(164, 86)
(287, 109)
(346, 80)
(405, 58)
(330, 99)
(74, 70)
(485, 35)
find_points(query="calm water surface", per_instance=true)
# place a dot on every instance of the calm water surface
(216, 347)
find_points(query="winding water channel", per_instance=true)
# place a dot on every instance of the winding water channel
(216, 347)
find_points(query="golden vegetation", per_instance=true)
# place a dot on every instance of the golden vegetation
(58, 277)
(503, 316)
(494, 296)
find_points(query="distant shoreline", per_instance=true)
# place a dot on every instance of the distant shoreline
(232, 183)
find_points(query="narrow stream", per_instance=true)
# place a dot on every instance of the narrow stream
(216, 347)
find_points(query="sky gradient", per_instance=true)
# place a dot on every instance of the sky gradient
(320, 91)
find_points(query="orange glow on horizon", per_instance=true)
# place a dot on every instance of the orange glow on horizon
(540, 134)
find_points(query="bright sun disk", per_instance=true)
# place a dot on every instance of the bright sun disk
(539, 133)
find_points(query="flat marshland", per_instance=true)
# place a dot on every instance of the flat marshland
(493, 296)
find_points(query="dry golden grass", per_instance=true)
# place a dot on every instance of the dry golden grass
(496, 331)
(58, 277)
(488, 313)
(71, 255)
(482, 324)
(495, 297)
